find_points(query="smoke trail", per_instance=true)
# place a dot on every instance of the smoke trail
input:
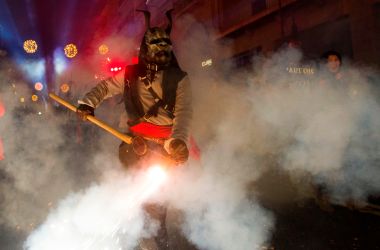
(104, 216)
(317, 135)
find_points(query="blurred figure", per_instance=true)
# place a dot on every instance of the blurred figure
(2, 112)
(334, 61)
(339, 78)
(331, 69)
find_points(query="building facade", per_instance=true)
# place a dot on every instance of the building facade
(347, 26)
(237, 30)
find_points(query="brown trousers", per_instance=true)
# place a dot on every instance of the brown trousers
(158, 212)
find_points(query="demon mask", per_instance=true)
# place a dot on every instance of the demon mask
(156, 47)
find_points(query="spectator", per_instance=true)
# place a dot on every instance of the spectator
(332, 68)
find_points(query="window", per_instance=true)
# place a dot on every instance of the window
(244, 60)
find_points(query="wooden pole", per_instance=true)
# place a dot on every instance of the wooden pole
(125, 138)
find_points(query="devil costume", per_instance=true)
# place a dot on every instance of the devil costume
(157, 97)
(157, 94)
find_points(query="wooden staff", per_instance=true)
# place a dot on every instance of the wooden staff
(125, 138)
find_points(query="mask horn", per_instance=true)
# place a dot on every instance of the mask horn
(147, 18)
(169, 16)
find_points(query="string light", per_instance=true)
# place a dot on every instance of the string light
(30, 46)
(64, 88)
(34, 98)
(71, 50)
(103, 49)
(38, 86)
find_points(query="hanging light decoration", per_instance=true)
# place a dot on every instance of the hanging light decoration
(30, 46)
(38, 86)
(34, 98)
(64, 88)
(71, 50)
(103, 49)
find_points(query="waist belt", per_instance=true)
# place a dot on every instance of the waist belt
(151, 131)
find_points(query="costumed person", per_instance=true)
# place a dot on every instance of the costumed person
(157, 97)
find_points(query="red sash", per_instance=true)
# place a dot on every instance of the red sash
(149, 130)
(146, 129)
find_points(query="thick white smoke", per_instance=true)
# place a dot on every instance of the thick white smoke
(328, 132)
(30, 154)
(105, 216)
(316, 135)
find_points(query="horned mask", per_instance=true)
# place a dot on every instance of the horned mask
(156, 46)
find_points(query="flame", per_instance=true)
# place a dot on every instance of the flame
(158, 172)
(156, 175)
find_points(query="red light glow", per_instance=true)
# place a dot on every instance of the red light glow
(135, 60)
(38, 86)
(114, 65)
(2, 109)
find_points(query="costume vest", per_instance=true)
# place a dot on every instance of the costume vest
(171, 77)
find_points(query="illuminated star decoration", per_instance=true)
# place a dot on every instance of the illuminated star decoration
(38, 86)
(103, 49)
(30, 46)
(70, 50)
(34, 98)
(65, 88)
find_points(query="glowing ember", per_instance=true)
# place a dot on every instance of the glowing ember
(30, 46)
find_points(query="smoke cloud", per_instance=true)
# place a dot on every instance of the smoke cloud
(326, 131)
(106, 215)
(69, 195)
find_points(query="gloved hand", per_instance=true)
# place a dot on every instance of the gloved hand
(177, 149)
(84, 110)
